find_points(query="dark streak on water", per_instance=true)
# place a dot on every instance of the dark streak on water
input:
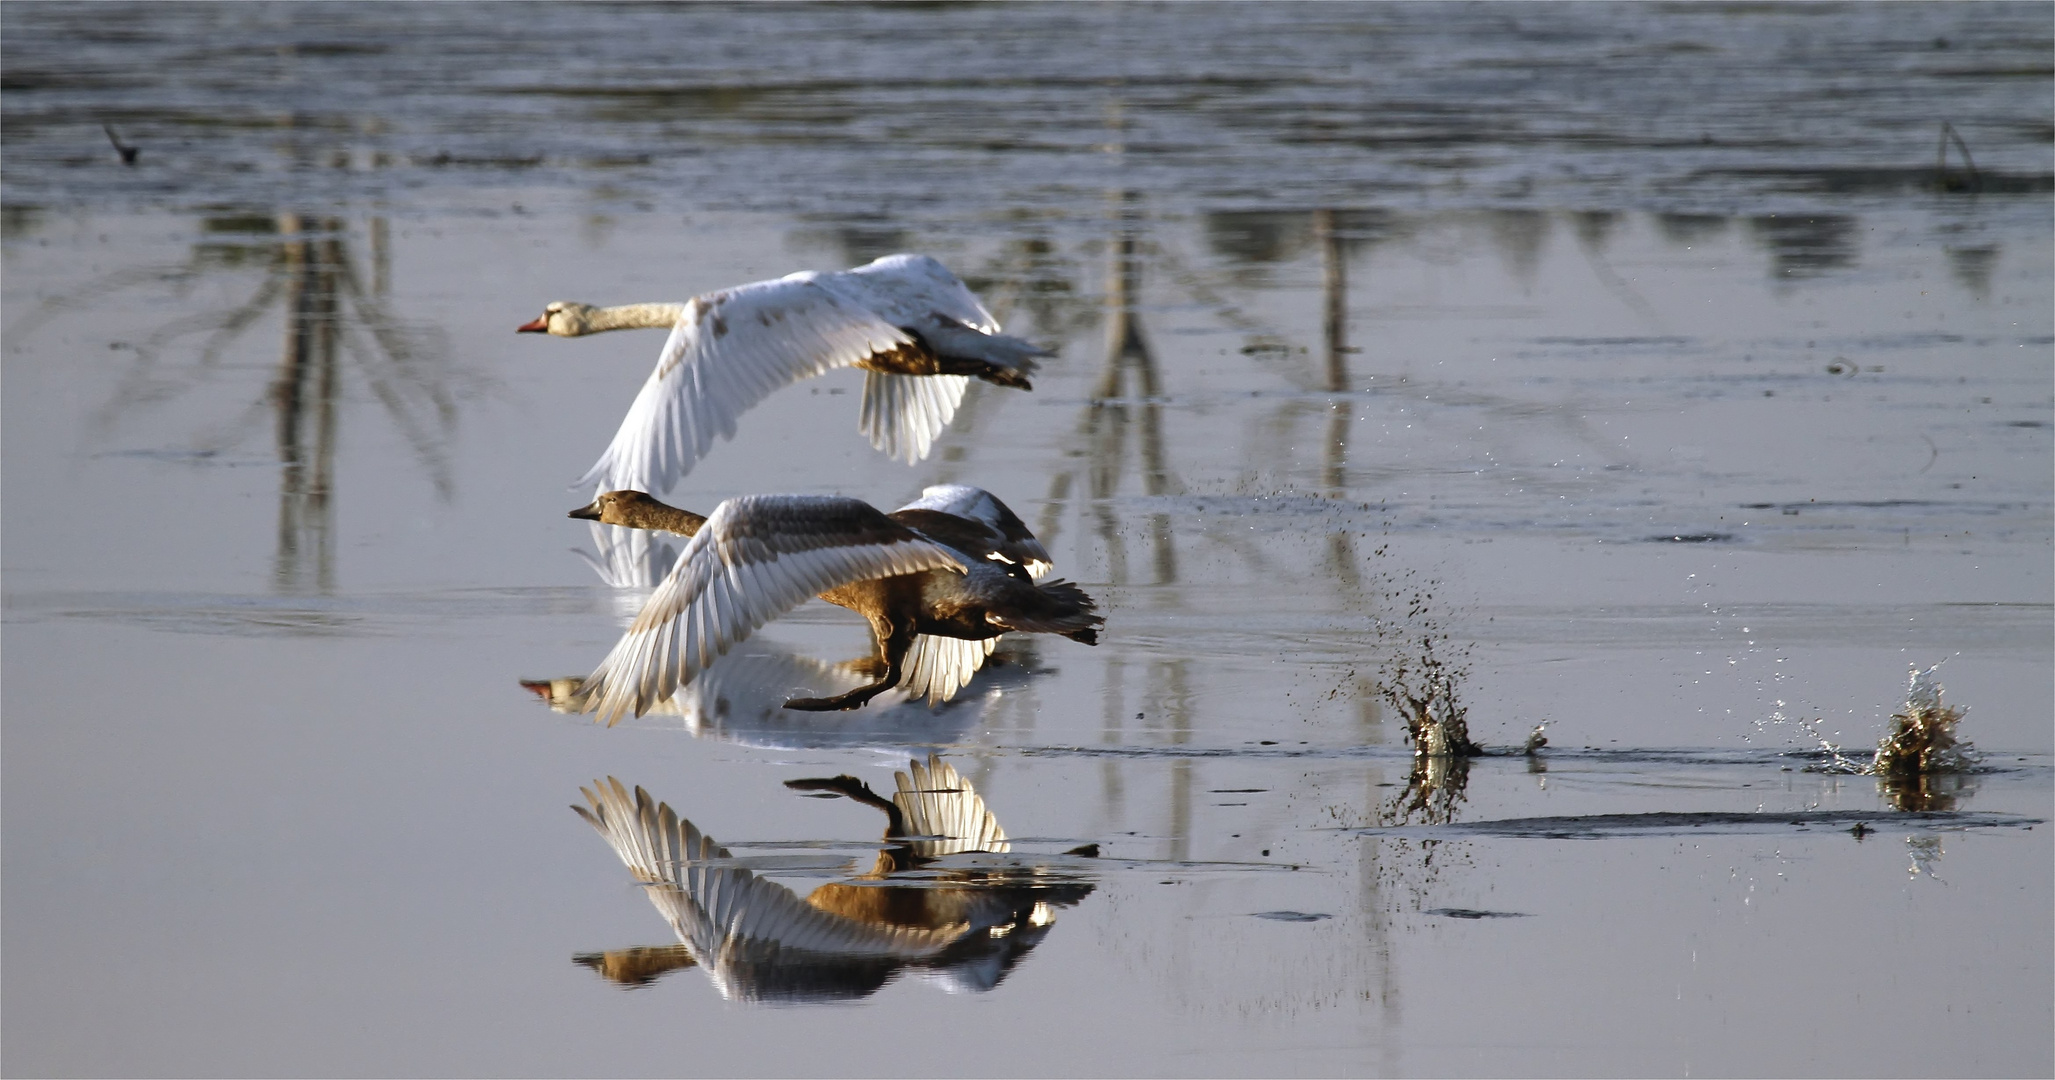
(1292, 916)
(1603, 826)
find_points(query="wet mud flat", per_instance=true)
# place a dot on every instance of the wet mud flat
(1678, 450)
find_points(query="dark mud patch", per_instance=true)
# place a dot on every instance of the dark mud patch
(1473, 913)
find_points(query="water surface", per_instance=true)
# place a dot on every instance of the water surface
(1637, 365)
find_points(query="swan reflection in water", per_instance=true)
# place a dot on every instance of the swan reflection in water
(945, 897)
(741, 699)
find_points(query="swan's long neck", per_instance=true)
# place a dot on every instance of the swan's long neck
(633, 317)
(656, 515)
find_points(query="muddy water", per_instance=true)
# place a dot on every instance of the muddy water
(1638, 367)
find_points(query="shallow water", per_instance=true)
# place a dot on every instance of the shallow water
(1634, 363)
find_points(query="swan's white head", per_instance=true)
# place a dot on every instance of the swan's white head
(562, 318)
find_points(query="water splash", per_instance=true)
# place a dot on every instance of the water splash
(1836, 761)
(1922, 739)
(1925, 853)
(1436, 723)
(1920, 763)
(1422, 688)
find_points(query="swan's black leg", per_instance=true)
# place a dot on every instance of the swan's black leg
(893, 641)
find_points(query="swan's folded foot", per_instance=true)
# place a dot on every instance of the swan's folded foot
(854, 699)
(999, 375)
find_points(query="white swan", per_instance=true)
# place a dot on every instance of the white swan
(905, 319)
(923, 572)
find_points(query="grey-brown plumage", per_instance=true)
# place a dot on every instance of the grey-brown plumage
(938, 589)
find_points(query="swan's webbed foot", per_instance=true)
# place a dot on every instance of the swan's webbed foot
(854, 699)
(893, 641)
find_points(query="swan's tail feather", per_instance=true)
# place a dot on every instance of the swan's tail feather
(1057, 607)
(996, 358)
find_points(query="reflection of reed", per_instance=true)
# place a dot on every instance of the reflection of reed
(1130, 374)
(306, 269)
(315, 275)
(1341, 408)
(303, 395)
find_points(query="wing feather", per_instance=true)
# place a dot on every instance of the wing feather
(937, 667)
(728, 351)
(938, 801)
(902, 414)
(1014, 541)
(909, 289)
(757, 557)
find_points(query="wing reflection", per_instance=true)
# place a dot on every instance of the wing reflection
(630, 558)
(964, 922)
(741, 699)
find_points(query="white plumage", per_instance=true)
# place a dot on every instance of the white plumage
(938, 802)
(730, 349)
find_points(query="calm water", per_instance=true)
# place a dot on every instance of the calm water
(1638, 365)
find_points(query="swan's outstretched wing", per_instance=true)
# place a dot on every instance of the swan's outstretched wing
(902, 414)
(907, 290)
(726, 915)
(1011, 537)
(938, 801)
(728, 351)
(757, 557)
(937, 667)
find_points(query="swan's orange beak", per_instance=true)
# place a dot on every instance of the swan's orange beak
(539, 326)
